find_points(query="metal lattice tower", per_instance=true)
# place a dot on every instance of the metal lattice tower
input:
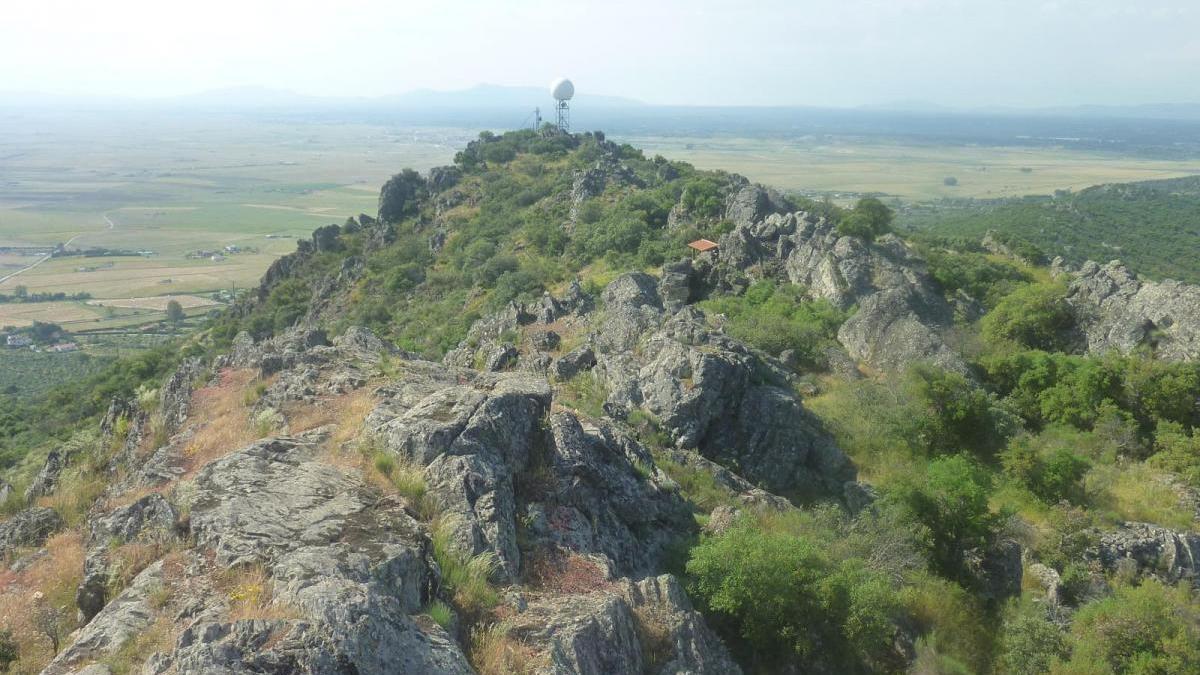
(564, 116)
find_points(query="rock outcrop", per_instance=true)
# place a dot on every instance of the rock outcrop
(711, 393)
(900, 319)
(1117, 311)
(29, 527)
(1152, 550)
(643, 627)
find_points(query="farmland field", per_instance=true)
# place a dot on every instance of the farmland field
(172, 186)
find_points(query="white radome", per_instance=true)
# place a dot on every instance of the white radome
(562, 89)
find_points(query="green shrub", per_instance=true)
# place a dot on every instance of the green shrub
(952, 502)
(467, 578)
(961, 416)
(1030, 643)
(1035, 316)
(775, 318)
(788, 600)
(441, 613)
(1178, 451)
(1052, 475)
(1150, 628)
(977, 275)
(868, 219)
(9, 650)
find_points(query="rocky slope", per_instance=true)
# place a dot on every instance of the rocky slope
(297, 503)
(284, 555)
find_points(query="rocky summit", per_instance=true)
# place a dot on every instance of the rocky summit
(513, 424)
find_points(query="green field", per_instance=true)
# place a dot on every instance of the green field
(175, 186)
(912, 172)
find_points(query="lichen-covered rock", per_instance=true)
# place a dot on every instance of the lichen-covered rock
(151, 516)
(1117, 311)
(605, 499)
(28, 527)
(627, 628)
(47, 477)
(713, 394)
(901, 316)
(297, 646)
(122, 620)
(176, 396)
(574, 362)
(150, 519)
(473, 439)
(1154, 550)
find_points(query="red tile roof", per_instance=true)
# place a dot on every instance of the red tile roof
(703, 245)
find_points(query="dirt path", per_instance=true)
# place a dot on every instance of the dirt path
(39, 261)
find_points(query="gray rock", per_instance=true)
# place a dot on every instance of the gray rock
(545, 341)
(151, 517)
(272, 498)
(606, 499)
(996, 570)
(368, 646)
(574, 362)
(888, 331)
(176, 396)
(1050, 581)
(47, 477)
(676, 285)
(625, 629)
(502, 357)
(473, 439)
(901, 315)
(752, 203)
(1117, 311)
(702, 389)
(92, 593)
(1154, 550)
(122, 620)
(6, 491)
(631, 306)
(29, 527)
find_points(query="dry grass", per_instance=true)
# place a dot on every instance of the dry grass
(654, 633)
(346, 411)
(251, 596)
(565, 572)
(493, 651)
(48, 583)
(223, 423)
(128, 560)
(159, 637)
(1133, 492)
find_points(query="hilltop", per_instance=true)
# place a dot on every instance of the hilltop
(511, 423)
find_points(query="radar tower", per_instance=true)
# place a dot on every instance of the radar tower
(562, 90)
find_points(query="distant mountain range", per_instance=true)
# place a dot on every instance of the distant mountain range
(500, 96)
(1157, 111)
(253, 97)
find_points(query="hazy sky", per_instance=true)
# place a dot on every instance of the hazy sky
(741, 52)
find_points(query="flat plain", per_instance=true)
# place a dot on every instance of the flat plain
(175, 185)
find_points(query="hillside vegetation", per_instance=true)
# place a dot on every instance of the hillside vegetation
(1135, 222)
(524, 402)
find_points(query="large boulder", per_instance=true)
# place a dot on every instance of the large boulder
(473, 440)
(605, 499)
(623, 628)
(1152, 550)
(714, 394)
(901, 316)
(29, 527)
(1117, 311)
